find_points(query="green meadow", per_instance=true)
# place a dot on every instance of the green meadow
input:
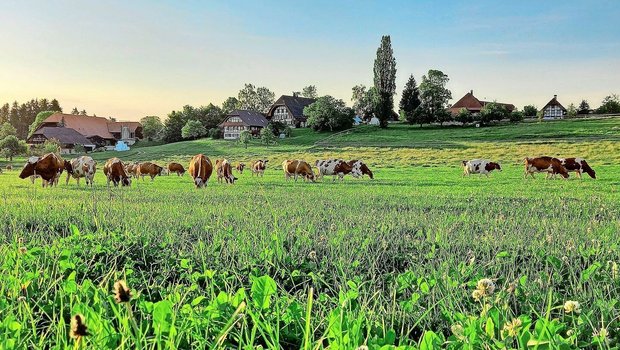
(418, 258)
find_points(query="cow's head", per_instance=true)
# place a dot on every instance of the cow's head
(493, 165)
(68, 167)
(198, 182)
(310, 176)
(126, 181)
(29, 167)
(365, 170)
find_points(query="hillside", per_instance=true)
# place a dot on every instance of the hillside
(402, 144)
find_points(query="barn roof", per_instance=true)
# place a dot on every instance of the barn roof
(89, 126)
(295, 105)
(250, 118)
(66, 136)
(554, 102)
(472, 104)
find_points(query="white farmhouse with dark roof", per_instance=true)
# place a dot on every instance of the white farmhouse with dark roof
(553, 109)
(241, 120)
(290, 110)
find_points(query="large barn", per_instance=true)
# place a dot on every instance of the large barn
(91, 132)
(474, 105)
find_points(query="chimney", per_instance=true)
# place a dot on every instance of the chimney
(471, 92)
(555, 97)
(295, 94)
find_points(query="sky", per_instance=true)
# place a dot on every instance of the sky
(129, 59)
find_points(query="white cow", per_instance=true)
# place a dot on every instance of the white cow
(479, 166)
(83, 166)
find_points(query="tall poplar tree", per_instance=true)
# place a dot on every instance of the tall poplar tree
(385, 80)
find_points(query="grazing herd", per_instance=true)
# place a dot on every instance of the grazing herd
(50, 166)
(551, 166)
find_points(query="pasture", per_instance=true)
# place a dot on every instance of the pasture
(385, 263)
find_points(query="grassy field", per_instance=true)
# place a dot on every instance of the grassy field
(393, 262)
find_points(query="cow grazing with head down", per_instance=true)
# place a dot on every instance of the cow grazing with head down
(132, 169)
(579, 166)
(479, 166)
(115, 172)
(150, 169)
(296, 168)
(80, 167)
(223, 169)
(200, 169)
(258, 167)
(549, 165)
(334, 167)
(240, 167)
(359, 169)
(48, 167)
(176, 168)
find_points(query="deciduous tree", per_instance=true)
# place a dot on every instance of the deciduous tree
(434, 95)
(11, 146)
(151, 126)
(255, 99)
(530, 111)
(309, 92)
(328, 113)
(385, 81)
(193, 129)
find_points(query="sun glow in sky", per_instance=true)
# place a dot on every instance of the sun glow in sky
(129, 59)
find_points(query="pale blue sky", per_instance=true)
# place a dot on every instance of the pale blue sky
(131, 59)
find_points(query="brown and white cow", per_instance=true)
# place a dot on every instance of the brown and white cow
(80, 167)
(334, 167)
(132, 169)
(150, 169)
(48, 167)
(296, 168)
(114, 171)
(176, 168)
(240, 167)
(579, 166)
(258, 167)
(359, 169)
(200, 169)
(549, 165)
(479, 166)
(223, 169)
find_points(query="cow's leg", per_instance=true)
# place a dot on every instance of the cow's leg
(67, 181)
(579, 175)
(78, 181)
(152, 178)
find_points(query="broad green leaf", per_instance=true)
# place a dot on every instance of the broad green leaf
(262, 290)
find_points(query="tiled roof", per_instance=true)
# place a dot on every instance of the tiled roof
(64, 135)
(295, 105)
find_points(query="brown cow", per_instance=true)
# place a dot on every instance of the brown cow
(578, 165)
(240, 167)
(334, 167)
(132, 169)
(9, 167)
(297, 167)
(258, 167)
(360, 169)
(48, 167)
(200, 169)
(176, 168)
(150, 169)
(223, 169)
(548, 165)
(115, 172)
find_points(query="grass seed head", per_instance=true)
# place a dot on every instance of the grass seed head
(571, 306)
(78, 327)
(122, 293)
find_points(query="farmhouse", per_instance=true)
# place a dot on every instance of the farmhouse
(68, 138)
(290, 110)
(474, 105)
(94, 131)
(241, 120)
(553, 109)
